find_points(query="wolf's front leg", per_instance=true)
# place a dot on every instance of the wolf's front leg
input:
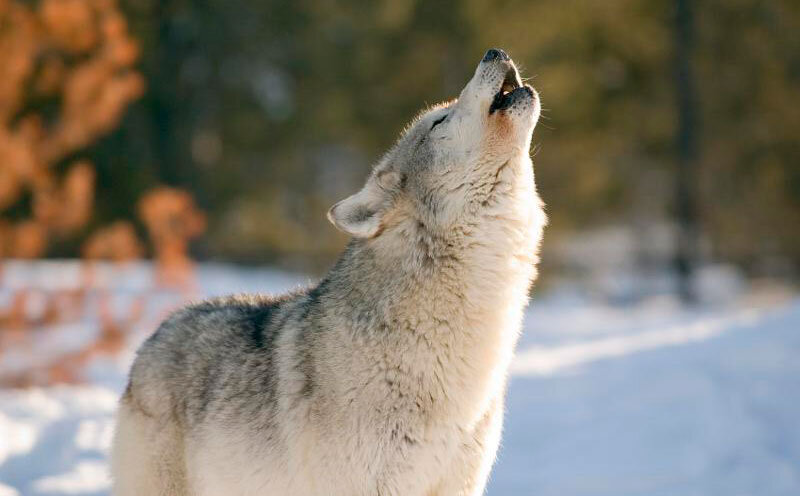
(147, 455)
(469, 471)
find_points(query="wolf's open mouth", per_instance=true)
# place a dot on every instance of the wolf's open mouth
(505, 97)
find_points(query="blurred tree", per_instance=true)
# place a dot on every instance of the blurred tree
(68, 78)
(748, 68)
(685, 196)
(172, 219)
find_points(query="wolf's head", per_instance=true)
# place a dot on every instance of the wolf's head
(454, 164)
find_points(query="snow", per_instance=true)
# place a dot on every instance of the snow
(645, 398)
(706, 404)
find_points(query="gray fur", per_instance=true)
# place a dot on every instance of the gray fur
(388, 376)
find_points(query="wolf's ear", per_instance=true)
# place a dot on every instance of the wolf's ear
(358, 215)
(361, 215)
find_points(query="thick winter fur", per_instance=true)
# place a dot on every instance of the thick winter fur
(388, 377)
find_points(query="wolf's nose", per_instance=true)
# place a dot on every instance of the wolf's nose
(494, 54)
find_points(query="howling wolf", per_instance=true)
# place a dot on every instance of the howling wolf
(386, 378)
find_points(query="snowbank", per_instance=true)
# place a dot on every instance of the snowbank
(639, 400)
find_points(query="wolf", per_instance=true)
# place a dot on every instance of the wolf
(387, 377)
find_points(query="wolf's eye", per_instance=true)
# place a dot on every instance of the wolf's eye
(437, 122)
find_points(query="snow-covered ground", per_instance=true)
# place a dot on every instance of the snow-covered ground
(645, 399)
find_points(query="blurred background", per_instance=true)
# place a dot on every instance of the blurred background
(153, 152)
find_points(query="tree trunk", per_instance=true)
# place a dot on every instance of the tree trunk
(686, 143)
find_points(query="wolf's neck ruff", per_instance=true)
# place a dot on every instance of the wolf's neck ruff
(496, 248)
(452, 299)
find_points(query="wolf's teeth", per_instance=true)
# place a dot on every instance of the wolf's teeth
(508, 86)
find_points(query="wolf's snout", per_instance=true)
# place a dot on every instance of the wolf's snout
(494, 54)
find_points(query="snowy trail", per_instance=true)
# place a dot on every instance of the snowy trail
(698, 410)
(646, 400)
(542, 360)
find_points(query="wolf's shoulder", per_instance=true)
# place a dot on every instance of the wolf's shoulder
(219, 329)
(245, 316)
(201, 343)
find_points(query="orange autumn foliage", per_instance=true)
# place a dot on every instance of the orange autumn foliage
(117, 242)
(79, 54)
(172, 220)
